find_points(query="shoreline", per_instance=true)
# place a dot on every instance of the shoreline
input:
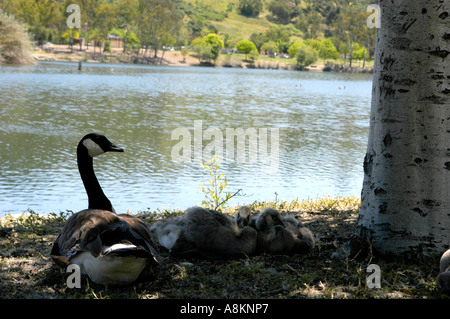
(63, 53)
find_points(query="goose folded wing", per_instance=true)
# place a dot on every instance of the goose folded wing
(139, 230)
(85, 231)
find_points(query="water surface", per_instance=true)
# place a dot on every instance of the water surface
(45, 109)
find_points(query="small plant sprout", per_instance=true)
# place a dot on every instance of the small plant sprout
(217, 184)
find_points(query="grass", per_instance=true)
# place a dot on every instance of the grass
(241, 27)
(26, 271)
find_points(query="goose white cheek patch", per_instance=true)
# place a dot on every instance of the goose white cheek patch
(92, 147)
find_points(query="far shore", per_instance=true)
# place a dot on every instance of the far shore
(63, 53)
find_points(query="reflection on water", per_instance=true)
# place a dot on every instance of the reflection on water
(46, 108)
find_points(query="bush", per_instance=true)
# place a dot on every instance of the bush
(15, 42)
(269, 47)
(281, 11)
(250, 8)
(216, 44)
(293, 49)
(306, 56)
(246, 47)
(107, 47)
(208, 47)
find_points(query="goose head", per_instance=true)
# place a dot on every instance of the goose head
(95, 144)
(243, 216)
(269, 217)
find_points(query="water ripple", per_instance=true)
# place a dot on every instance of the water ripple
(46, 108)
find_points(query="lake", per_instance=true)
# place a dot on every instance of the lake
(315, 134)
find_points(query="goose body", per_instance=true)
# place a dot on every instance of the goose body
(111, 249)
(443, 279)
(205, 233)
(277, 235)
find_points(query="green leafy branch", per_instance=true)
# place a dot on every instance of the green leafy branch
(217, 184)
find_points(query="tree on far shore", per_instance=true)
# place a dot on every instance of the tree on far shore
(246, 47)
(306, 55)
(208, 47)
(15, 42)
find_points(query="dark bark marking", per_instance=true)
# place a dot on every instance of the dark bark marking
(440, 53)
(379, 190)
(368, 161)
(387, 139)
(405, 82)
(386, 62)
(443, 15)
(434, 99)
(421, 212)
(401, 43)
(438, 77)
(406, 26)
(431, 203)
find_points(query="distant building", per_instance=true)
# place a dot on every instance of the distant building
(116, 42)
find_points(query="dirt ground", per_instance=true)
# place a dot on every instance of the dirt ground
(87, 54)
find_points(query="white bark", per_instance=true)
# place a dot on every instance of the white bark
(405, 206)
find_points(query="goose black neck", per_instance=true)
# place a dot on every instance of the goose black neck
(97, 199)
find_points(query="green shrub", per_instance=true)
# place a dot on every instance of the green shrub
(246, 47)
(107, 47)
(250, 8)
(208, 47)
(217, 184)
(15, 42)
(306, 56)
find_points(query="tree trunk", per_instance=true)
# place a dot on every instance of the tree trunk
(405, 200)
(162, 57)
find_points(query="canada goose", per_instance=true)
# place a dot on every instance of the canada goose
(443, 279)
(205, 233)
(304, 240)
(243, 216)
(277, 235)
(111, 249)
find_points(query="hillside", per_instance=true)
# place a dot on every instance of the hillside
(159, 24)
(225, 17)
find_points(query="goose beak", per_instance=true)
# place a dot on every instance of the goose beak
(114, 148)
